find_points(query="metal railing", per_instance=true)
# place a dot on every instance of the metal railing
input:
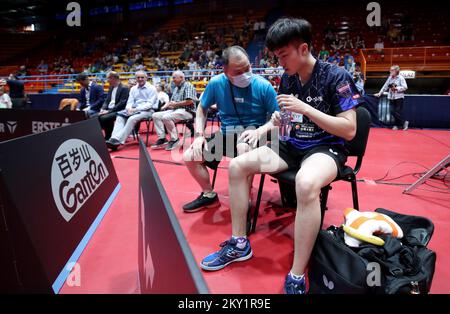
(46, 82)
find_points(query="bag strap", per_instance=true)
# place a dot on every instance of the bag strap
(234, 104)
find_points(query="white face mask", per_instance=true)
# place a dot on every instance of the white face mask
(242, 80)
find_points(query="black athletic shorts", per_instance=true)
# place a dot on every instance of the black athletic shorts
(220, 145)
(294, 156)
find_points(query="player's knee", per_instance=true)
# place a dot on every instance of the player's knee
(237, 168)
(306, 188)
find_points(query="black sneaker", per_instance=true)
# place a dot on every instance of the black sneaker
(113, 144)
(201, 202)
(172, 144)
(160, 143)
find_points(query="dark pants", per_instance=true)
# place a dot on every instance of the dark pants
(397, 111)
(18, 103)
(107, 123)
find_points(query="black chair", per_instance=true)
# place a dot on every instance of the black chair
(286, 179)
(138, 126)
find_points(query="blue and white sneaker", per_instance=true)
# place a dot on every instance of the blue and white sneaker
(228, 254)
(293, 286)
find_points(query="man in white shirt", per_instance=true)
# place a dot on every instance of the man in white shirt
(142, 103)
(5, 100)
(379, 46)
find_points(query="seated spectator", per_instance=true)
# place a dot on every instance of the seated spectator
(142, 103)
(42, 67)
(181, 107)
(163, 98)
(324, 54)
(116, 101)
(359, 43)
(92, 96)
(379, 46)
(5, 101)
(16, 92)
(349, 62)
(358, 78)
(22, 71)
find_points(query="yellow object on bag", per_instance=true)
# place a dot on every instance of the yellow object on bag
(365, 226)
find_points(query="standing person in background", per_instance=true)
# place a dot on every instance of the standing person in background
(395, 86)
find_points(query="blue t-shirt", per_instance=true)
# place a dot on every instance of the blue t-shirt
(331, 90)
(254, 103)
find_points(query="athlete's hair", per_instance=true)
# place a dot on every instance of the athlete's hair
(288, 30)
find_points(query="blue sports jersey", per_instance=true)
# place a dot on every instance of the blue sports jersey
(254, 104)
(331, 90)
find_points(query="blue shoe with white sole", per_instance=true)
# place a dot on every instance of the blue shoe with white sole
(228, 254)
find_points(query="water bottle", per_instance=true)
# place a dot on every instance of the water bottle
(285, 124)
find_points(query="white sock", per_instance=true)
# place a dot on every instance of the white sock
(210, 194)
(241, 241)
(296, 277)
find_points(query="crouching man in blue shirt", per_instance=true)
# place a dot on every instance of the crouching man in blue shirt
(320, 101)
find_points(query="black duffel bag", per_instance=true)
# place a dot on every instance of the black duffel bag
(403, 266)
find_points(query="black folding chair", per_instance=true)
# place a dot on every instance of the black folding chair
(286, 179)
(138, 126)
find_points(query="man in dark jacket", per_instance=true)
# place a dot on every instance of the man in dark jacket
(92, 96)
(16, 92)
(116, 100)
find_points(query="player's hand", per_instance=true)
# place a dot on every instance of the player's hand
(251, 137)
(292, 103)
(276, 118)
(377, 95)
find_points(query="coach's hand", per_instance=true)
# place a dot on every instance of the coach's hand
(292, 103)
(197, 147)
(251, 137)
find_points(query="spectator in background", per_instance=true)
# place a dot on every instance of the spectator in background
(349, 62)
(131, 82)
(42, 67)
(359, 43)
(163, 98)
(22, 71)
(324, 54)
(181, 107)
(116, 101)
(379, 46)
(92, 96)
(5, 101)
(142, 103)
(358, 78)
(16, 92)
(395, 87)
